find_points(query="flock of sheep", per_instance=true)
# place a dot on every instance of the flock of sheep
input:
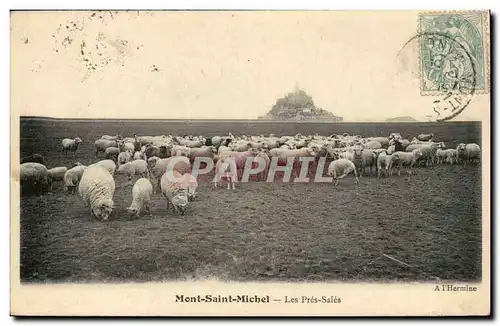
(166, 162)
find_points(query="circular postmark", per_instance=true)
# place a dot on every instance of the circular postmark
(447, 71)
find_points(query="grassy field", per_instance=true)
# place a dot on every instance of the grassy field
(261, 231)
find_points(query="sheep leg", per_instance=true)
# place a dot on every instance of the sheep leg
(232, 183)
(148, 209)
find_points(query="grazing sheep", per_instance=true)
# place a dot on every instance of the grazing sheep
(33, 158)
(124, 157)
(72, 177)
(112, 153)
(384, 162)
(158, 166)
(33, 177)
(107, 164)
(341, 168)
(405, 159)
(175, 191)
(96, 189)
(136, 167)
(141, 196)
(226, 168)
(56, 174)
(70, 145)
(102, 144)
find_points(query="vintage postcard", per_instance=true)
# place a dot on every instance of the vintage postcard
(250, 163)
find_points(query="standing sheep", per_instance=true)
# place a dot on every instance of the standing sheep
(124, 157)
(96, 189)
(158, 166)
(226, 167)
(141, 196)
(33, 177)
(384, 162)
(136, 167)
(72, 177)
(111, 153)
(175, 191)
(56, 174)
(102, 144)
(468, 153)
(341, 168)
(70, 145)
(404, 159)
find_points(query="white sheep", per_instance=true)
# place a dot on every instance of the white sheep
(124, 157)
(226, 167)
(405, 159)
(384, 162)
(33, 176)
(56, 174)
(341, 168)
(96, 189)
(70, 145)
(112, 153)
(139, 156)
(136, 167)
(175, 191)
(126, 146)
(451, 155)
(468, 153)
(364, 158)
(102, 144)
(72, 177)
(141, 196)
(107, 164)
(158, 166)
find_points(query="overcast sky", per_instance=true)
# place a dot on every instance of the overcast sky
(217, 65)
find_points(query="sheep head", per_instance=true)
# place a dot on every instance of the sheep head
(133, 211)
(152, 161)
(103, 209)
(461, 147)
(180, 203)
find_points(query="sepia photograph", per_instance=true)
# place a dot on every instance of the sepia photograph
(253, 150)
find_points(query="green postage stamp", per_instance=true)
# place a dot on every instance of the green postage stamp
(454, 51)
